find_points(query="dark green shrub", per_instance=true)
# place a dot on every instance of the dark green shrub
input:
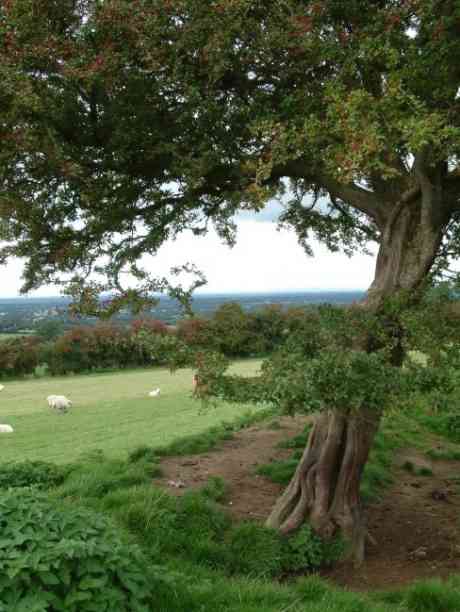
(159, 349)
(233, 332)
(269, 324)
(215, 489)
(66, 560)
(19, 356)
(305, 550)
(27, 473)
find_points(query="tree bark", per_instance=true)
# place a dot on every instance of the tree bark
(407, 252)
(325, 489)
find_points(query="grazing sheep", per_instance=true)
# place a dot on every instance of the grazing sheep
(155, 392)
(2, 387)
(59, 402)
(6, 429)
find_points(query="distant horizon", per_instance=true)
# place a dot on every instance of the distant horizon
(209, 293)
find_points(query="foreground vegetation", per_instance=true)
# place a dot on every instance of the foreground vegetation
(184, 553)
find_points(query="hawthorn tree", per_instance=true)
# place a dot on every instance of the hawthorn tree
(124, 122)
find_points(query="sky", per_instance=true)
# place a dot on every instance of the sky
(264, 259)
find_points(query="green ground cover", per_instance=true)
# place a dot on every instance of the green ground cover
(12, 336)
(198, 559)
(111, 412)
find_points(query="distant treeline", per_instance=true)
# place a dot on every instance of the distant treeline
(26, 314)
(230, 330)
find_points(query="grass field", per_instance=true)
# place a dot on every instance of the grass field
(14, 335)
(111, 412)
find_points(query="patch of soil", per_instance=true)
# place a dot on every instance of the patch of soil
(236, 461)
(415, 525)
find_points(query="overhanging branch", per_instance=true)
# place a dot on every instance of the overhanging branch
(357, 197)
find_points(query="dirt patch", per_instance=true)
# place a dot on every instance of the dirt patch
(415, 525)
(415, 528)
(236, 461)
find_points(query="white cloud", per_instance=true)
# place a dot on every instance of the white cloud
(264, 259)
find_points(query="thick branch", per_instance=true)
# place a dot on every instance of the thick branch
(363, 200)
(369, 231)
(357, 197)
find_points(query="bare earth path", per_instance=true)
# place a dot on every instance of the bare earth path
(415, 525)
(416, 528)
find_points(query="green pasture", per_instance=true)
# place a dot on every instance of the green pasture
(12, 336)
(111, 412)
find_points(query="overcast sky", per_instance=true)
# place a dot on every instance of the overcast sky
(264, 259)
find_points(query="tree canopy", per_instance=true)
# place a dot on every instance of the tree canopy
(124, 122)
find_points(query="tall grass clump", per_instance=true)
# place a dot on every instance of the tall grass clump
(432, 596)
(40, 474)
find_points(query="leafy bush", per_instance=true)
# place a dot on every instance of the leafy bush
(85, 348)
(19, 356)
(232, 330)
(215, 489)
(73, 560)
(27, 473)
(197, 333)
(153, 326)
(298, 381)
(305, 550)
(159, 349)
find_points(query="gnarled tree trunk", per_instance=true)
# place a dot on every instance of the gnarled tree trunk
(325, 489)
(325, 486)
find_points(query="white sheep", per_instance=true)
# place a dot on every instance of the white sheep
(2, 387)
(59, 402)
(6, 429)
(155, 392)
